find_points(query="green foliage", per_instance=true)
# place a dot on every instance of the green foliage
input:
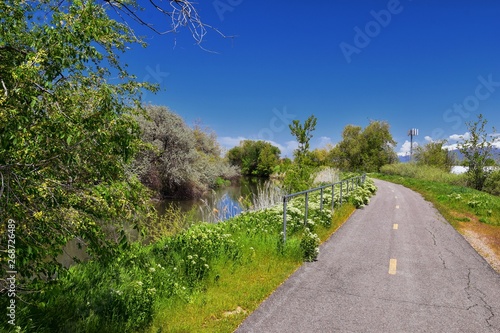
(309, 244)
(299, 175)
(492, 183)
(182, 162)
(476, 149)
(303, 134)
(364, 150)
(65, 131)
(433, 154)
(254, 158)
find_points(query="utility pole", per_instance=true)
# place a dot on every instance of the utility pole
(411, 133)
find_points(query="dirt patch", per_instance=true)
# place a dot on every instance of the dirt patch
(485, 239)
(235, 312)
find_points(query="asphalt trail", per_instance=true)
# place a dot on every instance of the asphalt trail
(395, 266)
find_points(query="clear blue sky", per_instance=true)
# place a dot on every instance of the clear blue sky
(431, 65)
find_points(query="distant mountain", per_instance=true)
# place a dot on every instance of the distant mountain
(495, 151)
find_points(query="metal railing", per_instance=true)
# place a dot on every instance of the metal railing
(352, 184)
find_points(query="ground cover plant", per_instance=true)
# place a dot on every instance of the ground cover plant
(154, 286)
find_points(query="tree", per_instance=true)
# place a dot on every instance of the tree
(183, 162)
(321, 156)
(68, 128)
(433, 154)
(365, 150)
(303, 134)
(298, 176)
(476, 148)
(254, 158)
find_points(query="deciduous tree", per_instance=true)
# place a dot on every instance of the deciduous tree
(477, 147)
(67, 126)
(433, 154)
(254, 158)
(365, 150)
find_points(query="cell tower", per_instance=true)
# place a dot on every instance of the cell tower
(411, 133)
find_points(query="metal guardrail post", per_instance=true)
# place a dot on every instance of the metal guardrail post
(284, 219)
(333, 198)
(321, 201)
(341, 185)
(307, 203)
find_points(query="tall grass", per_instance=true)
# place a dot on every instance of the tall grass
(327, 176)
(423, 172)
(268, 195)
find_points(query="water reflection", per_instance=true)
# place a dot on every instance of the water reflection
(220, 204)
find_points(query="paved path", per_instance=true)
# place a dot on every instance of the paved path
(394, 266)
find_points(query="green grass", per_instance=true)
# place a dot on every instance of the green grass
(237, 289)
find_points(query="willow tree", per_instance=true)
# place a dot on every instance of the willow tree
(67, 126)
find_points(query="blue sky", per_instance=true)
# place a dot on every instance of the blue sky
(431, 65)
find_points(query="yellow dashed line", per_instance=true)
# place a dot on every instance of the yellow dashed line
(397, 206)
(392, 266)
(395, 226)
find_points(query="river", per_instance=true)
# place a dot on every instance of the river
(226, 202)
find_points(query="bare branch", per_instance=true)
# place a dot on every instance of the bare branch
(182, 13)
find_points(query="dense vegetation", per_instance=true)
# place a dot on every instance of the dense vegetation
(434, 155)
(66, 134)
(364, 149)
(181, 161)
(255, 158)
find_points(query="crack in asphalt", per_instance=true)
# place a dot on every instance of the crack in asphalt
(433, 236)
(398, 301)
(472, 292)
(440, 256)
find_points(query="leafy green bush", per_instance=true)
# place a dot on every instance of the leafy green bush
(492, 183)
(309, 245)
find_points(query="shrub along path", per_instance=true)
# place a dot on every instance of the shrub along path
(394, 266)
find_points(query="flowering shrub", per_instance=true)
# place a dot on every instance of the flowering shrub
(309, 244)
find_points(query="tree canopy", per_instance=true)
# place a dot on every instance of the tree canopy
(433, 154)
(182, 162)
(254, 158)
(365, 149)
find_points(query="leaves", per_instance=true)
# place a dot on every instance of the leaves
(65, 132)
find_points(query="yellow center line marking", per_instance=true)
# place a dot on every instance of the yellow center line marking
(392, 266)
(395, 226)
(397, 206)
